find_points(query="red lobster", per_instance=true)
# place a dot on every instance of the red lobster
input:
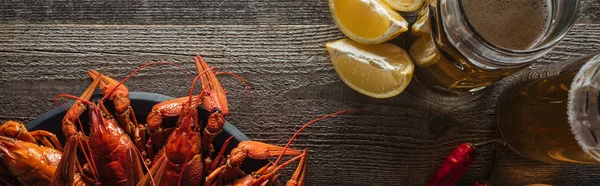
(106, 148)
(23, 160)
(230, 172)
(181, 160)
(110, 151)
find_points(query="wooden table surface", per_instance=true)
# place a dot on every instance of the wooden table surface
(46, 48)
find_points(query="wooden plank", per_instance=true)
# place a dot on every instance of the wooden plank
(218, 12)
(396, 141)
(213, 12)
(589, 11)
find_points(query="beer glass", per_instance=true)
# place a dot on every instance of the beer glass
(552, 113)
(458, 51)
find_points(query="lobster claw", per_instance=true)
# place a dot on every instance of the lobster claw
(217, 99)
(68, 122)
(120, 94)
(66, 170)
(257, 150)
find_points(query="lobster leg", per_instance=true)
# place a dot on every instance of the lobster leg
(133, 168)
(68, 122)
(161, 136)
(140, 138)
(120, 95)
(257, 150)
(65, 171)
(251, 149)
(266, 175)
(273, 172)
(224, 174)
(211, 131)
(298, 177)
(19, 131)
(217, 159)
(43, 136)
(248, 179)
(154, 175)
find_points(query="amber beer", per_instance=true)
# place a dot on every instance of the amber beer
(554, 118)
(462, 46)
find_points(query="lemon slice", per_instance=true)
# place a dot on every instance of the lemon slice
(405, 5)
(367, 21)
(423, 50)
(380, 71)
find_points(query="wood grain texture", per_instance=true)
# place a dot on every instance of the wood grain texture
(46, 48)
(396, 141)
(218, 12)
(185, 12)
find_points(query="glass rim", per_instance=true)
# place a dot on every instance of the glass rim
(485, 55)
(550, 43)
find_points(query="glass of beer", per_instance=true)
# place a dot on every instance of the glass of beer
(552, 113)
(462, 46)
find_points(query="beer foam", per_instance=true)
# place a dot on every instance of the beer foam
(512, 24)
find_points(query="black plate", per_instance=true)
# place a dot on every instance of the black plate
(142, 103)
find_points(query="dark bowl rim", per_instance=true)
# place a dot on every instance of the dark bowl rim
(142, 96)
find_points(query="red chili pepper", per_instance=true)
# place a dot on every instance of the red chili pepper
(454, 166)
(458, 162)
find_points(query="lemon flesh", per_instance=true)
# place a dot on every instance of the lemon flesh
(379, 71)
(367, 21)
(406, 5)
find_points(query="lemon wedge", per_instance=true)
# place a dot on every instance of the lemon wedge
(367, 21)
(405, 5)
(423, 50)
(380, 70)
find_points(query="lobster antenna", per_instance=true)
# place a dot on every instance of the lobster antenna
(200, 62)
(187, 157)
(305, 126)
(189, 102)
(89, 158)
(69, 96)
(136, 71)
(146, 166)
(239, 78)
